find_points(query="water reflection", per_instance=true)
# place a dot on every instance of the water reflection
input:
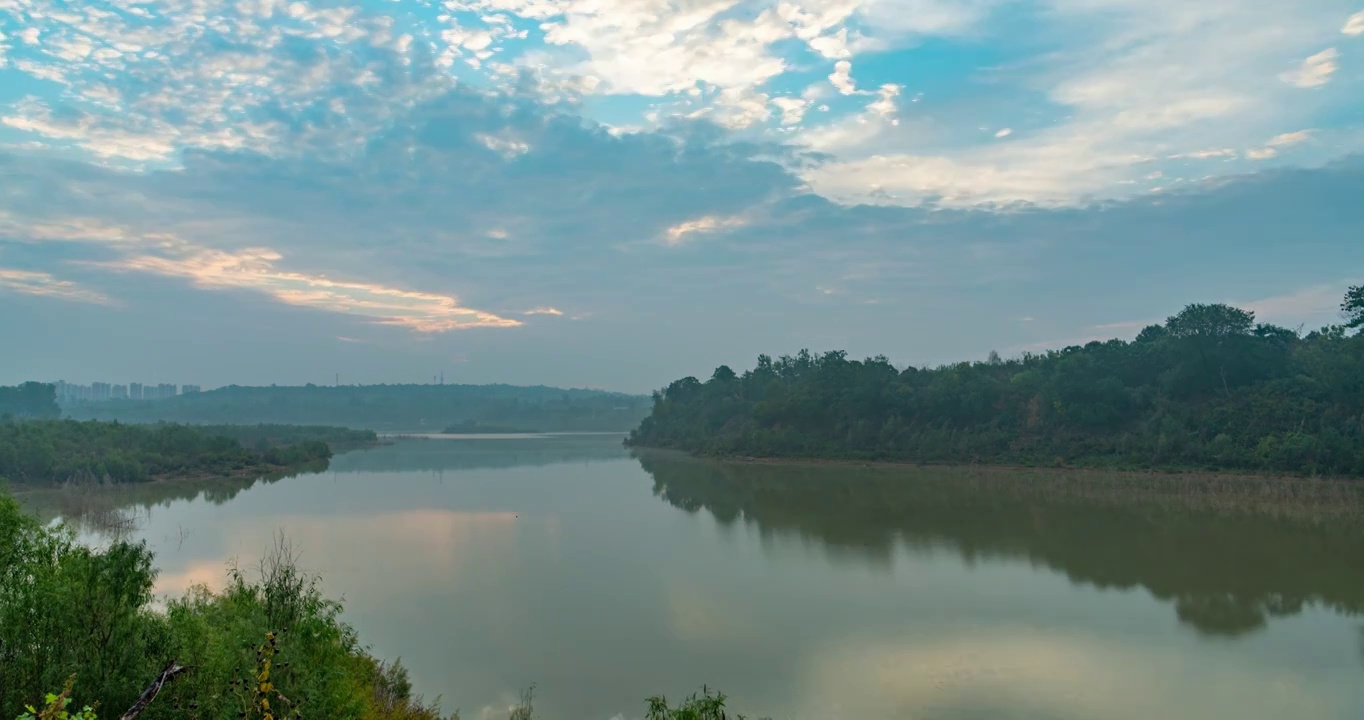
(805, 593)
(1226, 573)
(473, 453)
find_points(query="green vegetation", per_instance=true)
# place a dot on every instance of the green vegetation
(702, 706)
(267, 646)
(29, 400)
(1209, 389)
(46, 451)
(263, 437)
(404, 408)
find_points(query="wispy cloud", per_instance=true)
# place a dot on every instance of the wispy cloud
(255, 269)
(1289, 138)
(1315, 71)
(544, 311)
(1354, 26)
(679, 233)
(43, 284)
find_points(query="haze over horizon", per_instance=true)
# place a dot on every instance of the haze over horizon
(615, 194)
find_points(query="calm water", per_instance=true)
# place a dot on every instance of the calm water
(804, 592)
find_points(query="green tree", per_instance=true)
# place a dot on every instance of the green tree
(1208, 388)
(1210, 321)
(1353, 307)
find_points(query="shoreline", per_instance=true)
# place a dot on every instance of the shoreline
(268, 471)
(1172, 474)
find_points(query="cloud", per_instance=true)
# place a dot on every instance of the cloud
(255, 269)
(792, 109)
(1261, 153)
(737, 108)
(544, 311)
(140, 87)
(841, 78)
(1354, 26)
(678, 234)
(232, 159)
(1208, 154)
(42, 284)
(884, 104)
(1005, 132)
(1289, 138)
(1315, 71)
(1139, 84)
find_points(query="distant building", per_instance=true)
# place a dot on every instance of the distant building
(103, 391)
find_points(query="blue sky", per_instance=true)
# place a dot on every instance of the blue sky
(615, 193)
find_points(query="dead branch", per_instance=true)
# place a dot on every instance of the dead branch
(153, 690)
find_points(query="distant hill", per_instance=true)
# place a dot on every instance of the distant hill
(407, 408)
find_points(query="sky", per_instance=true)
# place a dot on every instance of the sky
(617, 193)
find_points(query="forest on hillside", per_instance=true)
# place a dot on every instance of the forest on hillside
(407, 408)
(1210, 388)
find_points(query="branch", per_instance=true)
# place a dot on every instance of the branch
(153, 690)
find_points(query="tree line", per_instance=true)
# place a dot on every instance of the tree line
(1210, 388)
(45, 451)
(407, 408)
(29, 400)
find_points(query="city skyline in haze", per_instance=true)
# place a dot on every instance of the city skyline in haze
(613, 195)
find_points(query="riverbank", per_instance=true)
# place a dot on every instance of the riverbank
(1172, 471)
(1223, 492)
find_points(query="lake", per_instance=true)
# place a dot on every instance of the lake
(802, 591)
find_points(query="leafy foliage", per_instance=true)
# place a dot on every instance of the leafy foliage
(68, 610)
(264, 644)
(1353, 307)
(698, 706)
(29, 400)
(389, 407)
(55, 707)
(1207, 389)
(69, 450)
